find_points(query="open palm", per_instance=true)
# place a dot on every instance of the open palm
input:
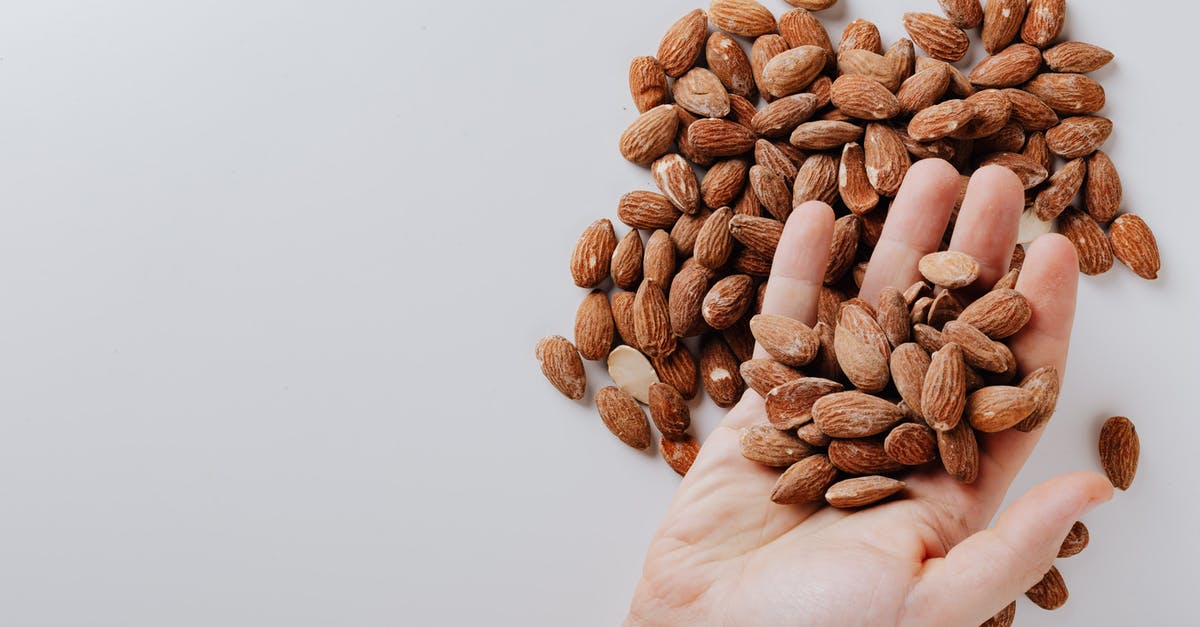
(726, 554)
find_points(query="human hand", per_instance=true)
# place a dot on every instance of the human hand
(726, 554)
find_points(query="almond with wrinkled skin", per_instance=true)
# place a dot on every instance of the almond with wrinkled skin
(1010, 67)
(817, 179)
(862, 491)
(627, 261)
(937, 36)
(959, 451)
(978, 350)
(723, 182)
(1044, 21)
(752, 263)
(758, 234)
(652, 320)
(920, 310)
(872, 65)
(790, 72)
(1076, 57)
(746, 18)
(647, 83)
(826, 365)
(714, 243)
(887, 160)
(909, 366)
(1103, 192)
(944, 308)
(679, 453)
(805, 481)
(941, 120)
(669, 411)
(911, 444)
(562, 366)
(959, 86)
(992, 111)
(1119, 451)
(854, 415)
(999, 407)
(829, 302)
(659, 263)
(812, 5)
(771, 157)
(592, 254)
(860, 97)
(825, 134)
(727, 301)
(1135, 245)
(781, 117)
(677, 181)
(923, 89)
(1002, 20)
(1030, 172)
(762, 51)
(678, 369)
(1051, 592)
(1068, 94)
(843, 247)
(811, 434)
(965, 14)
(862, 456)
(861, 35)
(720, 371)
(686, 299)
(720, 138)
(741, 110)
(998, 314)
(772, 191)
(928, 338)
(771, 447)
(687, 227)
(1011, 138)
(1036, 149)
(594, 326)
(1044, 384)
(1004, 618)
(862, 350)
(903, 57)
(1079, 136)
(647, 211)
(944, 391)
(682, 44)
(650, 135)
(949, 269)
(623, 417)
(1029, 111)
(728, 61)
(788, 340)
(1091, 245)
(801, 28)
(740, 340)
(1060, 190)
(790, 405)
(622, 309)
(764, 375)
(1076, 541)
(684, 141)
(853, 185)
(893, 316)
(702, 93)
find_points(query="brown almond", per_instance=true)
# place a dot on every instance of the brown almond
(872, 65)
(720, 371)
(678, 369)
(594, 326)
(702, 93)
(893, 316)
(1119, 451)
(622, 308)
(677, 181)
(811, 434)
(843, 247)
(659, 263)
(714, 243)
(1135, 245)
(592, 254)
(1076, 541)
(679, 453)
(911, 444)
(862, 349)
(801, 28)
(1010, 138)
(751, 263)
(1044, 384)
(826, 365)
(1044, 21)
(1076, 57)
(780, 118)
(937, 36)
(650, 135)
(646, 210)
(1029, 171)
(998, 314)
(772, 191)
(1036, 149)
(682, 44)
(684, 141)
(817, 179)
(792, 71)
(903, 56)
(727, 301)
(949, 269)
(669, 411)
(1029, 111)
(861, 97)
(1103, 191)
(1002, 20)
(825, 134)
(862, 491)
(1079, 136)
(1091, 245)
(1010, 67)
(758, 234)
(1051, 592)
(624, 417)
(861, 35)
(928, 338)
(627, 261)
(746, 18)
(909, 366)
(769, 446)
(1060, 190)
(887, 160)
(724, 182)
(992, 111)
(965, 14)
(720, 138)
(998, 407)
(959, 451)
(790, 405)
(944, 391)
(652, 320)
(762, 51)
(854, 415)
(562, 366)
(862, 456)
(789, 341)
(853, 185)
(686, 300)
(805, 481)
(944, 308)
(978, 350)
(1069, 94)
(764, 375)
(773, 158)
(728, 61)
(941, 120)
(647, 83)
(740, 340)
(923, 89)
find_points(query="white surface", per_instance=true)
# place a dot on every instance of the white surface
(272, 273)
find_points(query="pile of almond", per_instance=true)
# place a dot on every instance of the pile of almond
(908, 380)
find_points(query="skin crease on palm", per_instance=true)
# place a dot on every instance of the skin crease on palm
(726, 555)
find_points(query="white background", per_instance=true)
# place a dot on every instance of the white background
(271, 274)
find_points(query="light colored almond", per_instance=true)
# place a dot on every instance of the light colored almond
(1076, 57)
(1135, 245)
(805, 482)
(746, 18)
(592, 254)
(949, 269)
(1091, 245)
(937, 36)
(1002, 20)
(1078, 136)
(944, 391)
(728, 61)
(649, 137)
(632, 371)
(702, 93)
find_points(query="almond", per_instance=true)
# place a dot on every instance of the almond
(1010, 67)
(678, 369)
(944, 391)
(920, 310)
(623, 417)
(861, 97)
(853, 185)
(805, 482)
(964, 14)
(646, 210)
(1036, 149)
(758, 234)
(740, 340)
(928, 338)
(647, 83)
(937, 36)
(1061, 190)
(723, 182)
(862, 456)
(1010, 138)
(941, 120)
(789, 341)
(801, 28)
(949, 269)
(650, 136)
(1029, 111)
(1119, 451)
(1076, 57)
(790, 72)
(1092, 246)
(1029, 171)
(811, 434)
(682, 44)
(727, 301)
(746, 18)
(959, 451)
(861, 35)
(683, 139)
(824, 135)
(812, 5)
(909, 366)
(978, 350)
(659, 263)
(998, 408)
(1134, 244)
(652, 320)
(764, 375)
(790, 405)
(992, 111)
(1069, 94)
(680, 453)
(719, 371)
(1075, 542)
(862, 350)
(911, 444)
(843, 247)
(594, 326)
(1051, 592)
(592, 254)
(771, 447)
(730, 64)
(923, 89)
(887, 160)
(701, 92)
(627, 261)
(903, 57)
(781, 117)
(1002, 20)
(772, 191)
(826, 365)
(631, 371)
(1044, 21)
(817, 179)
(622, 308)
(854, 415)
(719, 138)
(751, 263)
(1078, 136)
(686, 299)
(1044, 385)
(862, 491)
(562, 366)
(714, 243)
(669, 411)
(893, 316)
(762, 51)
(872, 65)
(677, 181)
(770, 156)
(1103, 191)
(944, 308)
(998, 314)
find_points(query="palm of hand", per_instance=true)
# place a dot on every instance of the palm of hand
(726, 554)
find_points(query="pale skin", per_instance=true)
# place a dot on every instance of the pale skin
(726, 555)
